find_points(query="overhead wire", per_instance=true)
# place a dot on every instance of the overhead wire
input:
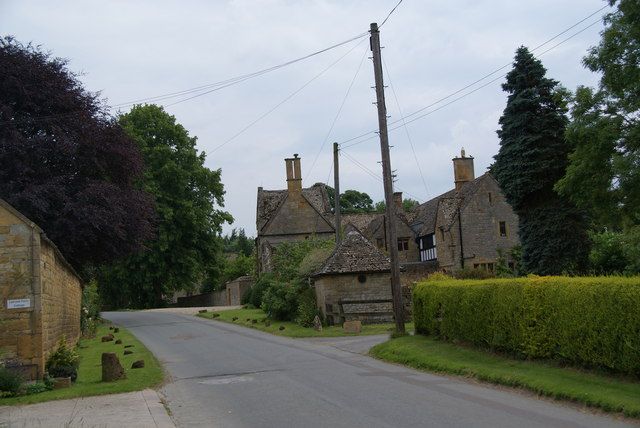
(392, 10)
(287, 98)
(203, 89)
(406, 129)
(440, 100)
(335, 119)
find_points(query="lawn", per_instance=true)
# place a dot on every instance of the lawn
(608, 393)
(90, 371)
(245, 318)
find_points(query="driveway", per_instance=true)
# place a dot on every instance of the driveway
(223, 375)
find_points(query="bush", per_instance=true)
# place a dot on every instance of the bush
(10, 382)
(615, 252)
(63, 362)
(280, 301)
(254, 295)
(307, 309)
(588, 321)
(90, 313)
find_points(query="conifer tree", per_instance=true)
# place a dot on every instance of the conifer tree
(532, 158)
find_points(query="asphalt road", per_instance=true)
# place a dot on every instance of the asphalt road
(228, 376)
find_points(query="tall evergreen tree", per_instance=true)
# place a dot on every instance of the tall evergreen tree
(532, 158)
(188, 197)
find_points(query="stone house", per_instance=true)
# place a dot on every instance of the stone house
(41, 294)
(237, 288)
(290, 215)
(354, 283)
(467, 226)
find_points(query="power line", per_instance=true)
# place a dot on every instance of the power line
(203, 89)
(374, 175)
(368, 134)
(335, 119)
(406, 129)
(287, 98)
(392, 10)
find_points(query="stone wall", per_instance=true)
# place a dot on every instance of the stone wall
(331, 290)
(481, 239)
(41, 295)
(237, 288)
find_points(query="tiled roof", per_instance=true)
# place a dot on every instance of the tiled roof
(270, 200)
(424, 219)
(362, 222)
(355, 254)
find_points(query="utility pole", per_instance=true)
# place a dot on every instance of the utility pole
(390, 212)
(336, 186)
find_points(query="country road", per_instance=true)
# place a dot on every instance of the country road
(221, 375)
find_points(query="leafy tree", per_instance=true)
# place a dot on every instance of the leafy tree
(65, 163)
(408, 205)
(604, 171)
(187, 195)
(532, 158)
(238, 242)
(351, 201)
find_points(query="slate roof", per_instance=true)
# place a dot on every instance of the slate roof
(424, 219)
(270, 200)
(355, 254)
(363, 222)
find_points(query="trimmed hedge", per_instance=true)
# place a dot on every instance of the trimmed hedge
(585, 321)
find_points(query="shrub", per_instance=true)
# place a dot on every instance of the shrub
(90, 313)
(307, 309)
(10, 382)
(280, 301)
(262, 284)
(588, 321)
(63, 362)
(36, 388)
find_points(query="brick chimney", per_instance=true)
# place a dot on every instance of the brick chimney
(294, 177)
(463, 169)
(397, 199)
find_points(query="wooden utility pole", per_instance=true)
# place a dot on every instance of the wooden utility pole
(336, 186)
(390, 212)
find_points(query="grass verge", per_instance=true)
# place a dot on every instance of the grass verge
(608, 393)
(245, 318)
(90, 371)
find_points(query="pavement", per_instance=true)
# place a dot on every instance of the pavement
(132, 409)
(223, 375)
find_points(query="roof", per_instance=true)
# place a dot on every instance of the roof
(355, 254)
(424, 219)
(361, 221)
(270, 200)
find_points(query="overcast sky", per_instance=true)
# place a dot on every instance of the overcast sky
(136, 49)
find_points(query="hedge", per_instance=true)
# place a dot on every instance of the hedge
(592, 322)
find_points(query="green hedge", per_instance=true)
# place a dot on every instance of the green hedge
(588, 321)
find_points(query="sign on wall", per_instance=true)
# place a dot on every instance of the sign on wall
(18, 303)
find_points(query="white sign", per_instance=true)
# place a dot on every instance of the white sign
(18, 303)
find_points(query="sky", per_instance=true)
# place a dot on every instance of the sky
(130, 50)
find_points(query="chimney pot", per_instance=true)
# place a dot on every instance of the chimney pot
(294, 175)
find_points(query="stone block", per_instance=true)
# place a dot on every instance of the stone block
(61, 382)
(352, 327)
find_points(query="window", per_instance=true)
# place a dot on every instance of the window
(503, 228)
(489, 267)
(380, 243)
(403, 244)
(362, 278)
(490, 198)
(428, 247)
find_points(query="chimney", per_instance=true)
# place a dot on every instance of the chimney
(462, 169)
(294, 177)
(397, 199)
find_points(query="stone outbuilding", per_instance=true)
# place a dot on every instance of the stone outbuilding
(237, 288)
(41, 295)
(354, 283)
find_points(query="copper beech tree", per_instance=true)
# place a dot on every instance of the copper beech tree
(65, 163)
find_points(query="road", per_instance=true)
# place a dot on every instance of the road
(222, 375)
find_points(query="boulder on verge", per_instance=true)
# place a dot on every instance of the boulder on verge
(111, 367)
(128, 352)
(107, 338)
(352, 327)
(137, 364)
(118, 342)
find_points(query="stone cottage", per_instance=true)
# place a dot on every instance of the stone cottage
(354, 283)
(290, 215)
(41, 294)
(467, 226)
